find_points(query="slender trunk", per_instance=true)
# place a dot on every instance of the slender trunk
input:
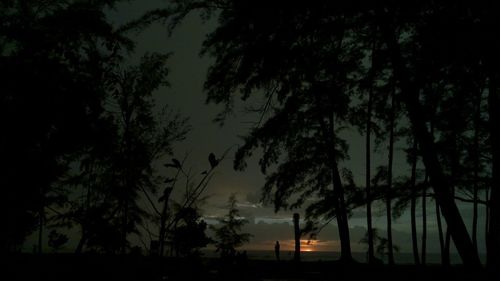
(493, 253)
(161, 236)
(413, 203)
(345, 246)
(41, 219)
(424, 220)
(40, 229)
(440, 232)
(475, 216)
(487, 219)
(296, 227)
(389, 182)
(123, 248)
(477, 117)
(438, 181)
(447, 244)
(328, 132)
(368, 178)
(163, 220)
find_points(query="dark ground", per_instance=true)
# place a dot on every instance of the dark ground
(102, 267)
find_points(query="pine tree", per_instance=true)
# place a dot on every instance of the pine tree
(228, 235)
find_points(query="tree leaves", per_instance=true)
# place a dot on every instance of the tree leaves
(175, 164)
(212, 160)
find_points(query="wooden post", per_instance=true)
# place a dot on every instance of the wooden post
(296, 227)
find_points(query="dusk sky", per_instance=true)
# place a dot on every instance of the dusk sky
(187, 75)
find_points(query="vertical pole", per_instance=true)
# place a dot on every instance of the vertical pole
(296, 227)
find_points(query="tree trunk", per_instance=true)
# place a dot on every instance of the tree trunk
(40, 229)
(493, 253)
(163, 220)
(368, 177)
(389, 182)
(477, 117)
(413, 205)
(123, 248)
(438, 181)
(41, 219)
(487, 219)
(440, 232)
(424, 220)
(328, 132)
(447, 244)
(338, 189)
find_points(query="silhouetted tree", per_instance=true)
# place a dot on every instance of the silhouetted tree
(228, 235)
(301, 111)
(414, 161)
(381, 244)
(170, 218)
(142, 137)
(53, 55)
(118, 167)
(189, 236)
(308, 59)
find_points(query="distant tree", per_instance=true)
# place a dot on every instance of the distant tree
(228, 235)
(189, 236)
(381, 245)
(171, 214)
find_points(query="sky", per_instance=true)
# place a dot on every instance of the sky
(185, 95)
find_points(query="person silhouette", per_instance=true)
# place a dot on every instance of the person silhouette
(277, 250)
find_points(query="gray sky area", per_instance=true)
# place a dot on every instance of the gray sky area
(187, 74)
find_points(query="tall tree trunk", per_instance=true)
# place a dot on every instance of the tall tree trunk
(447, 245)
(41, 219)
(487, 219)
(493, 253)
(477, 116)
(123, 248)
(343, 225)
(328, 132)
(424, 220)
(389, 180)
(440, 232)
(413, 205)
(438, 181)
(475, 216)
(368, 176)
(41, 222)
(163, 220)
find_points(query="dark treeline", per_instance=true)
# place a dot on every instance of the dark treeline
(421, 71)
(81, 138)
